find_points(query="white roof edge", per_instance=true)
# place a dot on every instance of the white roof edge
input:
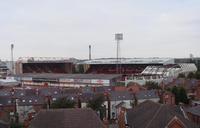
(129, 61)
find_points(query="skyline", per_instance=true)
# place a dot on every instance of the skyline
(66, 28)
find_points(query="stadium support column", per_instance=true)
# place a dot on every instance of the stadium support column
(118, 37)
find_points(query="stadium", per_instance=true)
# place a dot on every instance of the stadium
(137, 70)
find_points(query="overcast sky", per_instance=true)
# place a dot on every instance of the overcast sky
(65, 28)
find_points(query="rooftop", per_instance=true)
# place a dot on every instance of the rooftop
(67, 118)
(147, 94)
(121, 95)
(194, 110)
(154, 115)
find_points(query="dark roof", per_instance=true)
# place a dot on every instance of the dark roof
(6, 101)
(194, 110)
(85, 97)
(28, 97)
(103, 89)
(67, 118)
(5, 93)
(69, 76)
(154, 115)
(121, 95)
(66, 96)
(49, 91)
(31, 100)
(147, 94)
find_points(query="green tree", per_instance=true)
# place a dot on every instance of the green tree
(16, 125)
(63, 103)
(191, 75)
(152, 85)
(183, 96)
(97, 105)
(181, 76)
(180, 95)
(197, 75)
(175, 92)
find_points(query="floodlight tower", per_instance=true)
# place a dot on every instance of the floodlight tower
(12, 60)
(118, 37)
(90, 54)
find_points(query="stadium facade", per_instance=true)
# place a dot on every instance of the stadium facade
(43, 65)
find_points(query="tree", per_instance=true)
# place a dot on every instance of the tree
(180, 95)
(97, 105)
(152, 85)
(181, 76)
(183, 95)
(197, 75)
(63, 103)
(14, 125)
(191, 75)
(175, 92)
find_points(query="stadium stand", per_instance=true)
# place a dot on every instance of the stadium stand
(170, 70)
(44, 65)
(126, 66)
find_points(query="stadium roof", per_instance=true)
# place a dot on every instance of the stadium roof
(69, 76)
(45, 59)
(129, 61)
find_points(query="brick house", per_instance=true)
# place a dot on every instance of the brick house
(157, 116)
(194, 114)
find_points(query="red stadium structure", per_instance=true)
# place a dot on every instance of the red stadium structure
(127, 66)
(44, 65)
(111, 69)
